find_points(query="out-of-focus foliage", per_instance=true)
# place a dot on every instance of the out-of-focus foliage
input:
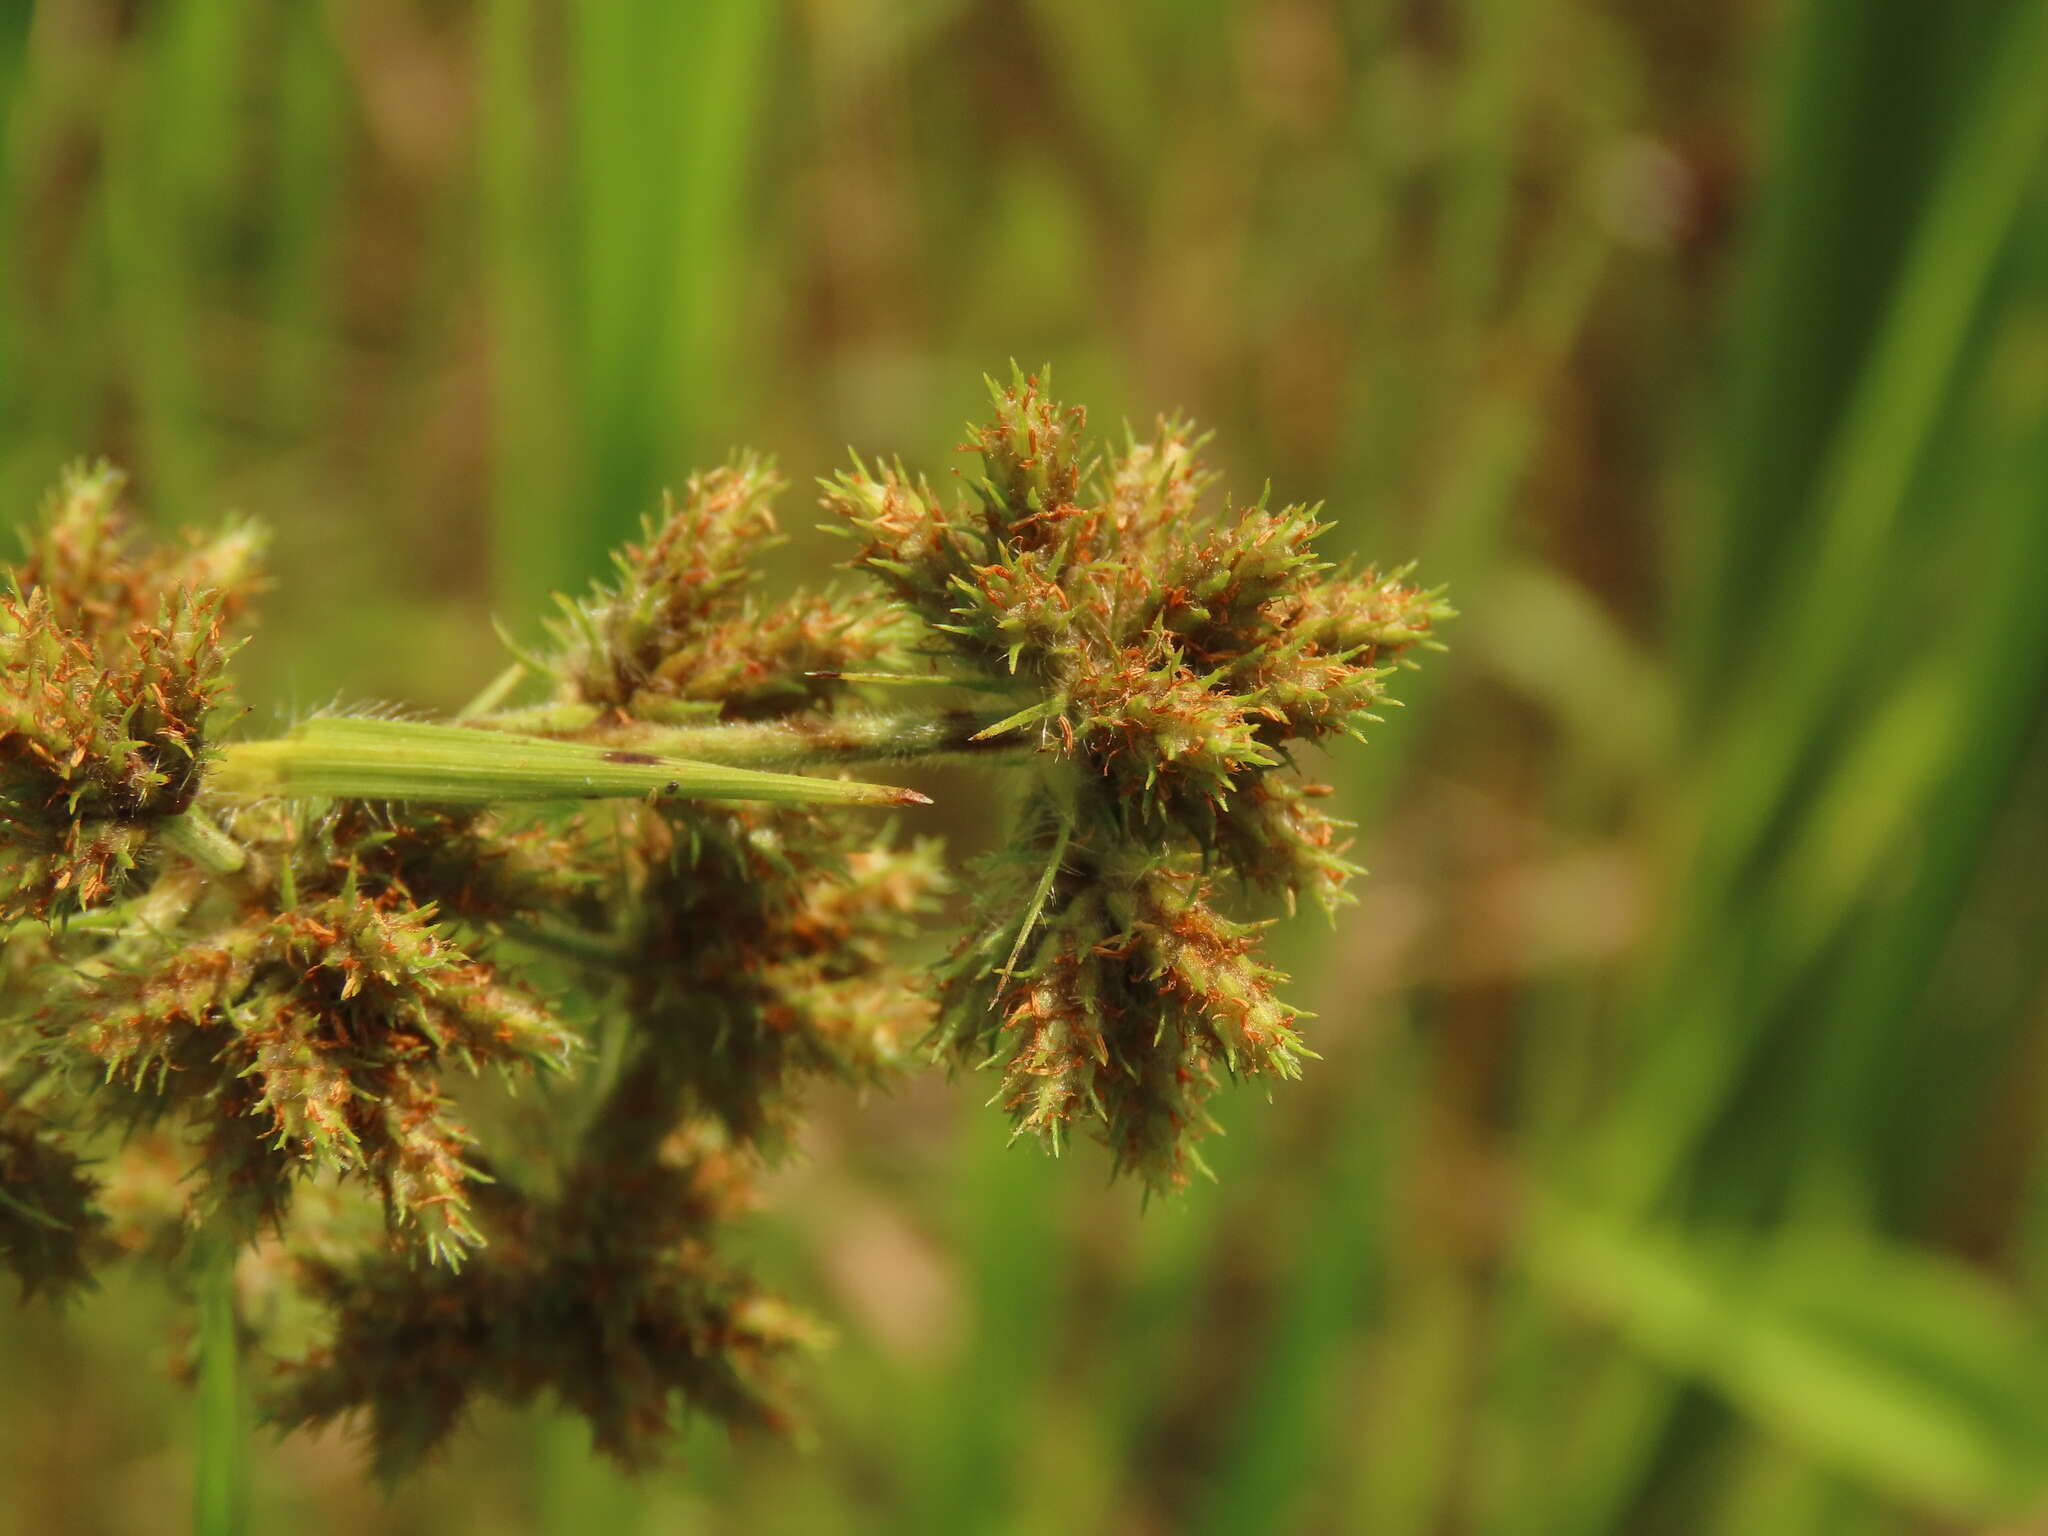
(1676, 1158)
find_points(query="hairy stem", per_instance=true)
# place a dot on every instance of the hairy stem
(221, 1494)
(197, 837)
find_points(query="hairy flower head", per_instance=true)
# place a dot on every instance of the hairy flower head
(1164, 653)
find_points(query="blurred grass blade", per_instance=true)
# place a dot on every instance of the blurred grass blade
(666, 105)
(1290, 1438)
(1897, 1368)
(964, 1459)
(455, 765)
(1996, 156)
(537, 545)
(727, 53)
(306, 207)
(1924, 768)
(1586, 663)
(1849, 143)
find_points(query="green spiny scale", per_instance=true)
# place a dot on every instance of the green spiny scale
(78, 558)
(1276, 837)
(98, 580)
(906, 534)
(1370, 612)
(1155, 486)
(1060, 1048)
(1033, 457)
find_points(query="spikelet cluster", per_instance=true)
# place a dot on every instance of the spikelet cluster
(311, 1034)
(747, 949)
(609, 1297)
(681, 630)
(110, 663)
(762, 955)
(758, 953)
(1165, 651)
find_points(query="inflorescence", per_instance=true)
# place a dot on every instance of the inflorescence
(474, 1034)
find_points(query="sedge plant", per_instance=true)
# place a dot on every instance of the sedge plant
(267, 996)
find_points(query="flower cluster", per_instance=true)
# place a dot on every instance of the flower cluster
(746, 976)
(478, 1033)
(308, 1035)
(611, 1296)
(1166, 652)
(110, 663)
(680, 633)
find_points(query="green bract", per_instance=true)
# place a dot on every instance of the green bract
(451, 765)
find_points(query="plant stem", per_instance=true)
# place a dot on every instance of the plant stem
(221, 1495)
(197, 837)
(495, 692)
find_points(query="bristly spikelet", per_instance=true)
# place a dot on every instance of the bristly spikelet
(1033, 458)
(687, 567)
(1162, 654)
(611, 1298)
(110, 663)
(102, 581)
(313, 1039)
(762, 957)
(678, 628)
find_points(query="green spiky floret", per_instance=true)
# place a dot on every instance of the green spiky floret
(1131, 992)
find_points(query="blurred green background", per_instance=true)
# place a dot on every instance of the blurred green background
(1676, 1161)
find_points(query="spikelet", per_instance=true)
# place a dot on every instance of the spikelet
(679, 626)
